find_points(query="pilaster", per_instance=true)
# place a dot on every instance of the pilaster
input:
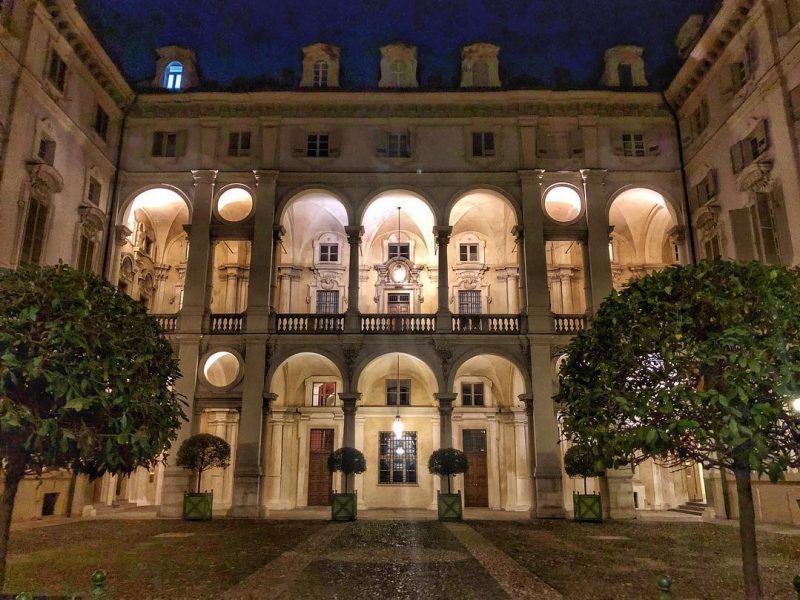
(262, 257)
(537, 296)
(445, 402)
(599, 261)
(443, 314)
(352, 316)
(349, 408)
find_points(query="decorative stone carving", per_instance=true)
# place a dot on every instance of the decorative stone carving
(479, 66)
(44, 180)
(756, 177)
(398, 66)
(92, 219)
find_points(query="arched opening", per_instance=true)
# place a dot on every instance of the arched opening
(173, 75)
(313, 256)
(153, 255)
(490, 426)
(483, 256)
(397, 385)
(644, 235)
(304, 427)
(398, 258)
(566, 279)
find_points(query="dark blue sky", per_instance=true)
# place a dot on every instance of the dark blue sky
(257, 38)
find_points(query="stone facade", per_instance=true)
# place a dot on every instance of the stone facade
(327, 263)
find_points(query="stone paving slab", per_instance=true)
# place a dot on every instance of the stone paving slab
(274, 579)
(516, 581)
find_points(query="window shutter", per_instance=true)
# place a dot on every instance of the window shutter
(752, 54)
(334, 143)
(761, 134)
(244, 143)
(686, 132)
(180, 143)
(712, 183)
(737, 157)
(576, 142)
(299, 143)
(706, 112)
(488, 143)
(742, 234)
(616, 143)
(233, 143)
(158, 141)
(381, 140)
(541, 142)
(702, 193)
(693, 199)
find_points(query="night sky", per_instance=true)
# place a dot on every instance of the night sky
(541, 41)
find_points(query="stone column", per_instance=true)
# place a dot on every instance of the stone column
(262, 253)
(231, 274)
(247, 474)
(349, 408)
(537, 295)
(512, 281)
(195, 295)
(120, 233)
(278, 232)
(445, 401)
(222, 423)
(285, 278)
(545, 452)
(352, 316)
(443, 314)
(190, 326)
(269, 398)
(617, 491)
(599, 263)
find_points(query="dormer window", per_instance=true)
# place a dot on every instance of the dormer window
(625, 72)
(173, 75)
(320, 76)
(398, 74)
(480, 74)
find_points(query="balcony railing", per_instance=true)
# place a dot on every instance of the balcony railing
(398, 323)
(305, 323)
(167, 322)
(494, 324)
(569, 323)
(227, 323)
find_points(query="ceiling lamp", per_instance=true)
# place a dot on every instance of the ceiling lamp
(398, 427)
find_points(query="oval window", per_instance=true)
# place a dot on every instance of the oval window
(234, 204)
(562, 204)
(221, 369)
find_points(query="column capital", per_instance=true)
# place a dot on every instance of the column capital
(278, 231)
(268, 399)
(527, 400)
(442, 233)
(122, 234)
(354, 233)
(265, 176)
(518, 231)
(594, 176)
(349, 400)
(531, 175)
(204, 175)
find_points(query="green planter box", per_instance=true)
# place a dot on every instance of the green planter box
(344, 507)
(450, 507)
(197, 507)
(588, 508)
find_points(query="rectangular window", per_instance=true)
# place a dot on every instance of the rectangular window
(57, 71)
(93, 193)
(764, 223)
(329, 253)
(472, 394)
(239, 143)
(317, 145)
(101, 122)
(33, 235)
(398, 458)
(469, 302)
(398, 145)
(483, 143)
(699, 118)
(47, 151)
(165, 144)
(399, 304)
(750, 148)
(468, 252)
(86, 254)
(327, 302)
(633, 144)
(323, 394)
(398, 392)
(400, 250)
(474, 440)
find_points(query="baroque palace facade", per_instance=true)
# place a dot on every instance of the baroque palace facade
(327, 262)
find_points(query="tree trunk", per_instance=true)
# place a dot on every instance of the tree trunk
(15, 471)
(747, 534)
(199, 475)
(726, 500)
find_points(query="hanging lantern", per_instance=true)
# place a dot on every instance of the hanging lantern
(398, 427)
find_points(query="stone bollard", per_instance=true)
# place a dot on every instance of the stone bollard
(664, 585)
(796, 582)
(100, 585)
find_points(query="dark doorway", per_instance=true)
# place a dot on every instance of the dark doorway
(476, 479)
(625, 76)
(319, 478)
(49, 504)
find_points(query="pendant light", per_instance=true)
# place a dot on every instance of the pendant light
(398, 427)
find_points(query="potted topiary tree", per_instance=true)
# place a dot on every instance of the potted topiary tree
(448, 462)
(199, 453)
(579, 461)
(350, 462)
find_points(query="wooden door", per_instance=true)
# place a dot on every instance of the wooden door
(399, 304)
(319, 478)
(476, 479)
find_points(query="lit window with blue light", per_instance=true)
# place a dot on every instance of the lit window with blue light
(173, 75)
